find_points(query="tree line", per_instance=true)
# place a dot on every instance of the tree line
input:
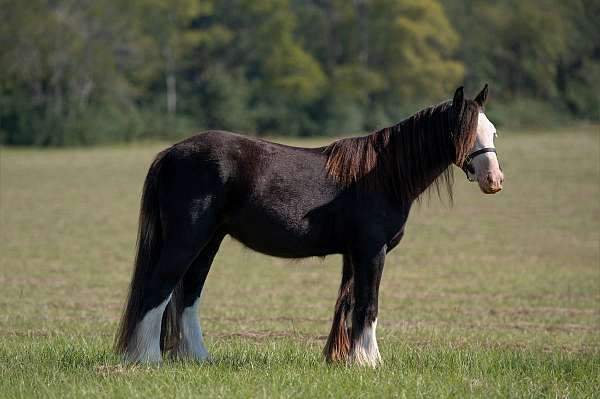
(81, 72)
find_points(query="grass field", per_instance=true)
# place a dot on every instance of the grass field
(497, 296)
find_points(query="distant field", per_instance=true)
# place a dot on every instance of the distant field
(497, 296)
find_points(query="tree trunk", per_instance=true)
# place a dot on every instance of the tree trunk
(171, 82)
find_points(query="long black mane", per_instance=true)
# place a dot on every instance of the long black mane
(399, 159)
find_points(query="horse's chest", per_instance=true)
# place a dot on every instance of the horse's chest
(395, 239)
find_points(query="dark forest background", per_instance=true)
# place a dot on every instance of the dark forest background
(82, 72)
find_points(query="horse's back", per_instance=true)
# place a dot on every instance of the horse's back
(273, 198)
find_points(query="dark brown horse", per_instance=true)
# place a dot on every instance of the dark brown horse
(351, 197)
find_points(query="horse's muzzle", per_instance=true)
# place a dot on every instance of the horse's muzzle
(492, 182)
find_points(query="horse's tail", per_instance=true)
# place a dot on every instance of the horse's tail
(149, 244)
(337, 347)
(170, 330)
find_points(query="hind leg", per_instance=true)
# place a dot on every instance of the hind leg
(182, 243)
(191, 345)
(144, 344)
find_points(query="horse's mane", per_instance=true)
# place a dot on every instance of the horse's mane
(400, 159)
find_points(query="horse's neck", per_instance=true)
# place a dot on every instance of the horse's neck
(433, 174)
(423, 172)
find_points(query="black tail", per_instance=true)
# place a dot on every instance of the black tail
(149, 245)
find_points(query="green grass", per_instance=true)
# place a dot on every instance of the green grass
(497, 296)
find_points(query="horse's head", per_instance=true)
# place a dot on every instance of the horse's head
(481, 163)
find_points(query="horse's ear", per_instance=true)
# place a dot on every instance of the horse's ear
(459, 97)
(482, 96)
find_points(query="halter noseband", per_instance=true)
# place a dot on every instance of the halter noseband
(468, 167)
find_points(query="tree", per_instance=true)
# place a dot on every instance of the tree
(382, 56)
(542, 51)
(65, 67)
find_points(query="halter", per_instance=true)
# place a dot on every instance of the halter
(468, 167)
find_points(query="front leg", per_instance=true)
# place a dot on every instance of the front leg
(367, 276)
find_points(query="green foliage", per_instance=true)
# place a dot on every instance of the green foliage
(224, 101)
(543, 53)
(412, 44)
(579, 69)
(523, 112)
(85, 72)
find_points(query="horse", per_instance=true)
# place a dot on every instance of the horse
(351, 197)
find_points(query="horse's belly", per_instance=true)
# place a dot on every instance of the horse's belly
(284, 235)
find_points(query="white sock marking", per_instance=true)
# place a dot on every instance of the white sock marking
(192, 342)
(145, 343)
(365, 351)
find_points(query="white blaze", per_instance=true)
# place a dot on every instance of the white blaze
(486, 131)
(486, 164)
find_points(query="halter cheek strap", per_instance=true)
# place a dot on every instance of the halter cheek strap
(467, 167)
(472, 155)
